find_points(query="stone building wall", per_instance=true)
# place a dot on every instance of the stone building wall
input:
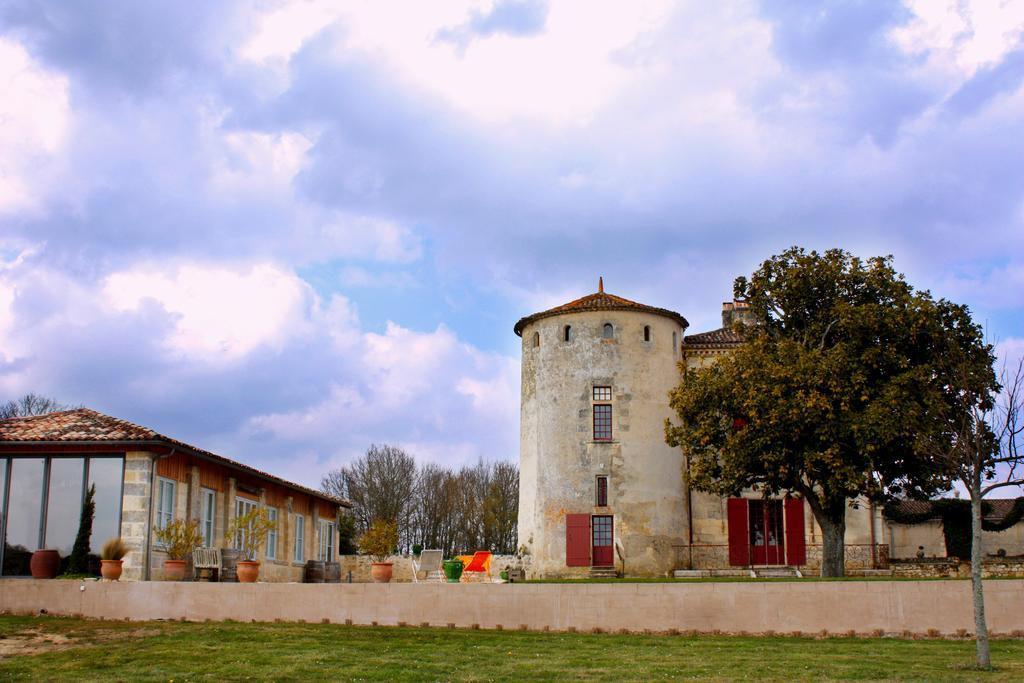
(907, 538)
(135, 512)
(559, 459)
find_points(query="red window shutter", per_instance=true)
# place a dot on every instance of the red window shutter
(796, 544)
(577, 540)
(739, 544)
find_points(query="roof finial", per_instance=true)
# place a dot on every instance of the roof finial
(600, 284)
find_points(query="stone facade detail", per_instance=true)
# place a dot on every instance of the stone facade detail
(135, 511)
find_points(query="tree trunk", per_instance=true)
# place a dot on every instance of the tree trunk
(831, 517)
(980, 627)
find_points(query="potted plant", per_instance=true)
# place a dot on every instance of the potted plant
(178, 539)
(379, 542)
(45, 563)
(249, 532)
(453, 570)
(111, 558)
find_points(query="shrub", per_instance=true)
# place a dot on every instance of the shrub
(380, 540)
(179, 538)
(248, 532)
(78, 562)
(346, 534)
(114, 549)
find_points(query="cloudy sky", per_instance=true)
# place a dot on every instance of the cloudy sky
(285, 230)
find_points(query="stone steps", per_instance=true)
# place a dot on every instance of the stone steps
(603, 573)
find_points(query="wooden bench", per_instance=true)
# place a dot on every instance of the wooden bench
(206, 564)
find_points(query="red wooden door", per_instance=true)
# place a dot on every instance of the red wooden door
(577, 540)
(603, 544)
(796, 543)
(739, 550)
(766, 540)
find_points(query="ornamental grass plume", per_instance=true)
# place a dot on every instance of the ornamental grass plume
(114, 549)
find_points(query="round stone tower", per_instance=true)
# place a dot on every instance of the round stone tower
(599, 487)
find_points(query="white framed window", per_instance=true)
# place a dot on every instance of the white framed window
(165, 502)
(243, 506)
(300, 538)
(272, 534)
(208, 502)
(326, 541)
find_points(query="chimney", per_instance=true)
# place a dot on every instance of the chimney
(727, 307)
(734, 312)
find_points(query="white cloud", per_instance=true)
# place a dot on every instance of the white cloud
(221, 313)
(959, 37)
(260, 162)
(562, 74)
(34, 117)
(441, 398)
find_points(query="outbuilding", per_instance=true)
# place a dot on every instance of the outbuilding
(143, 480)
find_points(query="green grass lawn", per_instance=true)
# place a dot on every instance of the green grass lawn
(50, 648)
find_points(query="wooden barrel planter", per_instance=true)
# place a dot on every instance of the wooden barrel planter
(332, 572)
(229, 565)
(314, 571)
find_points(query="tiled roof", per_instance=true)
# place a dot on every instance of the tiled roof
(996, 509)
(723, 337)
(599, 301)
(81, 424)
(84, 425)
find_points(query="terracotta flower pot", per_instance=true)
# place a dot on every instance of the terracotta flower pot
(111, 569)
(381, 571)
(44, 564)
(174, 570)
(248, 571)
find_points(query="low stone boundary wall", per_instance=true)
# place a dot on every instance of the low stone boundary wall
(865, 607)
(954, 568)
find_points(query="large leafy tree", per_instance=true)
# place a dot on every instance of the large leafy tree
(835, 393)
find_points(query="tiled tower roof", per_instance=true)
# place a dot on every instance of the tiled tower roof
(599, 301)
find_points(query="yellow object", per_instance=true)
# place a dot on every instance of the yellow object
(479, 561)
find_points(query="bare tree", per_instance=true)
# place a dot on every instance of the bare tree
(473, 508)
(501, 508)
(984, 451)
(380, 485)
(30, 404)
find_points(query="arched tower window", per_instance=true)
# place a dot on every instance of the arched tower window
(647, 333)
(536, 339)
(674, 343)
(567, 333)
(608, 332)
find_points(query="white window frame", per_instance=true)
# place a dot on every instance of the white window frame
(300, 538)
(327, 530)
(242, 507)
(167, 491)
(208, 515)
(271, 549)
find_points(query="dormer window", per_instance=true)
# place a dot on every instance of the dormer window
(608, 332)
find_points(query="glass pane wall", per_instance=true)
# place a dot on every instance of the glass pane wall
(105, 474)
(24, 514)
(65, 503)
(43, 506)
